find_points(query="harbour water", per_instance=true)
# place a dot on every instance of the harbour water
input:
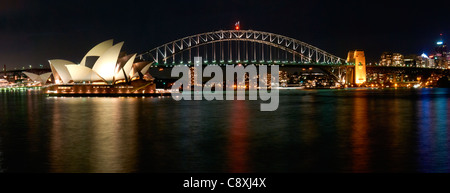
(346, 130)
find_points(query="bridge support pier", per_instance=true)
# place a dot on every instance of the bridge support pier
(350, 75)
(358, 73)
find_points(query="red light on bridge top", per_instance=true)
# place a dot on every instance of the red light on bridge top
(237, 25)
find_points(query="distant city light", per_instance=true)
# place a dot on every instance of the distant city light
(424, 55)
(439, 43)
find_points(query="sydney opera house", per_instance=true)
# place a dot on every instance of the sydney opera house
(103, 70)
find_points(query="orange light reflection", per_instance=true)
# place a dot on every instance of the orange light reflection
(238, 138)
(360, 137)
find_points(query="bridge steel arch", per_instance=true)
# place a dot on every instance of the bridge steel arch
(307, 53)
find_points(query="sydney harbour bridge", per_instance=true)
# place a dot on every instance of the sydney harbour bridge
(225, 47)
(244, 47)
(240, 46)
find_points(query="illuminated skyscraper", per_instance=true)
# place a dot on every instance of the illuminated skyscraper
(441, 47)
(441, 56)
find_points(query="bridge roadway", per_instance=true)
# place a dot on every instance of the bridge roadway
(163, 71)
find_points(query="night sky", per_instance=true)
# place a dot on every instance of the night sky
(31, 31)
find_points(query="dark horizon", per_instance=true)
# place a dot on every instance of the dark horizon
(32, 32)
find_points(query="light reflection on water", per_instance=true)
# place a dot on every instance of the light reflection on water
(312, 131)
(434, 139)
(238, 138)
(100, 130)
(359, 136)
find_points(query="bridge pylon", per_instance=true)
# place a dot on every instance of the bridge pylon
(356, 74)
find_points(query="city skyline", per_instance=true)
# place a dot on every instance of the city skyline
(197, 87)
(32, 32)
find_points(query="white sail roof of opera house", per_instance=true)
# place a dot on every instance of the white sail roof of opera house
(127, 68)
(38, 78)
(60, 71)
(80, 73)
(98, 50)
(109, 66)
(105, 66)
